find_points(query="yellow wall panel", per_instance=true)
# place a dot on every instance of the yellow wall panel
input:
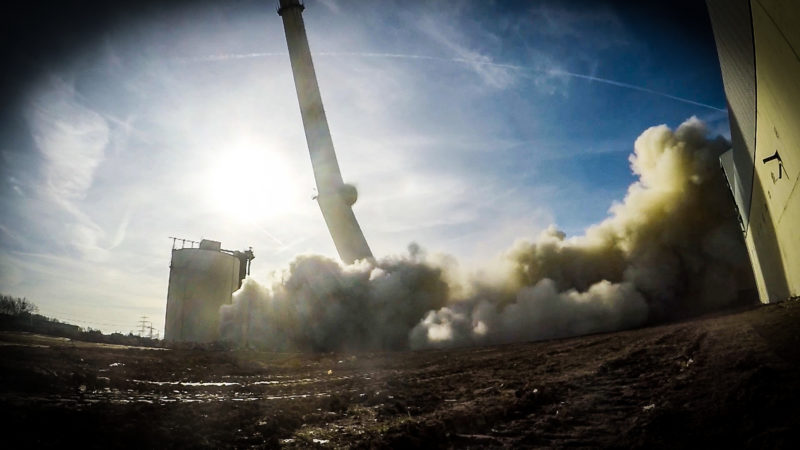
(777, 216)
(785, 14)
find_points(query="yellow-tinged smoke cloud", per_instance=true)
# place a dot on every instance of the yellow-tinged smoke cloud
(671, 249)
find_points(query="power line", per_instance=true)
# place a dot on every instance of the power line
(143, 322)
(53, 313)
(150, 327)
(73, 319)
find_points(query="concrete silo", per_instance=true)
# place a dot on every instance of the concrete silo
(201, 279)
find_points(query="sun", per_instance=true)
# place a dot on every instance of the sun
(251, 182)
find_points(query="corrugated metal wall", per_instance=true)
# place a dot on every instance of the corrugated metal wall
(733, 32)
(758, 42)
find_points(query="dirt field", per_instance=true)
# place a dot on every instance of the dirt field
(732, 380)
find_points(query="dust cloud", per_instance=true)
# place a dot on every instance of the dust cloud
(671, 249)
(320, 305)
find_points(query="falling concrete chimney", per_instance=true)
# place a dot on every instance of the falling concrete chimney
(335, 198)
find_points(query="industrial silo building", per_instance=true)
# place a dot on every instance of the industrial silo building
(758, 43)
(201, 280)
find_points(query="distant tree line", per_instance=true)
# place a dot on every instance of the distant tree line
(20, 314)
(15, 306)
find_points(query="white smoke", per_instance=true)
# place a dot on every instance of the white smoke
(320, 305)
(537, 312)
(671, 249)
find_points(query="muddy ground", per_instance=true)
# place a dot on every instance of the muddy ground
(730, 380)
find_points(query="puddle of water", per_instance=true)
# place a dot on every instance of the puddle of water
(119, 397)
(287, 382)
(22, 344)
(187, 383)
(233, 388)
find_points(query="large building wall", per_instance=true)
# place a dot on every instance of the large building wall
(200, 281)
(733, 33)
(765, 103)
(776, 31)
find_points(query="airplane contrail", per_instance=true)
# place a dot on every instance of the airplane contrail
(610, 82)
(528, 69)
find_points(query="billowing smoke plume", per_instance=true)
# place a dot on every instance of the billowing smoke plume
(320, 305)
(671, 249)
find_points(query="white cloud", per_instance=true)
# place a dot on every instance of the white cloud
(457, 45)
(71, 138)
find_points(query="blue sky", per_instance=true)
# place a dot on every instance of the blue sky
(465, 125)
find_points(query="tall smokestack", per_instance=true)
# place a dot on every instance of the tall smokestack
(335, 198)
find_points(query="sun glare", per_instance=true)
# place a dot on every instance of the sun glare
(251, 182)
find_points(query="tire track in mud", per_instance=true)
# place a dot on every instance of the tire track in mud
(464, 397)
(587, 410)
(625, 389)
(714, 382)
